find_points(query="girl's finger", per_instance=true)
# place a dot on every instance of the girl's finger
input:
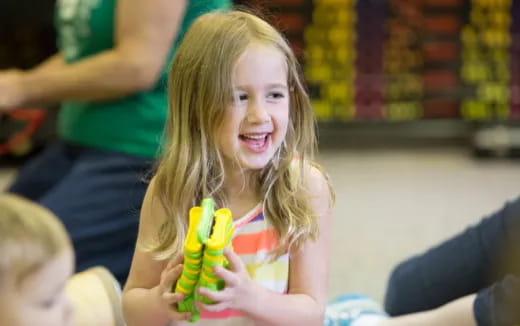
(175, 315)
(229, 277)
(216, 296)
(175, 261)
(234, 260)
(169, 278)
(171, 264)
(216, 307)
(172, 298)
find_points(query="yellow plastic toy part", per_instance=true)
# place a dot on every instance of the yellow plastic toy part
(209, 233)
(213, 252)
(192, 255)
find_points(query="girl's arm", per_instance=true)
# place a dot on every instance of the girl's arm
(308, 273)
(144, 34)
(147, 300)
(304, 305)
(456, 313)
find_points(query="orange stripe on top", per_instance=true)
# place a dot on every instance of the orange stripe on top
(224, 314)
(247, 244)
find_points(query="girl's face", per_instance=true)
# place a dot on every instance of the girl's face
(256, 122)
(40, 298)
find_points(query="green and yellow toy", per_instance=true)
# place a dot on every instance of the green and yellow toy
(209, 233)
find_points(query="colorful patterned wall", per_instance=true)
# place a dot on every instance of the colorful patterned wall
(400, 60)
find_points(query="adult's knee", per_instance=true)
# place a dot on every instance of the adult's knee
(404, 289)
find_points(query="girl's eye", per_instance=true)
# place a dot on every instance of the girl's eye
(276, 95)
(239, 97)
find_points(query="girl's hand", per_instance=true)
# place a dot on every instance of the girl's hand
(164, 291)
(238, 290)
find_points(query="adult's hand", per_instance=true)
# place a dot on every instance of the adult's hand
(11, 90)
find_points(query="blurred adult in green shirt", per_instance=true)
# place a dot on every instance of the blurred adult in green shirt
(110, 78)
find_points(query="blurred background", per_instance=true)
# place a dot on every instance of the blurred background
(418, 103)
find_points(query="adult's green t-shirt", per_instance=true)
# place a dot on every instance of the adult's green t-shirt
(134, 124)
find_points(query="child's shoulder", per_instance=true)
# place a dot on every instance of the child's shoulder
(314, 175)
(151, 191)
(318, 182)
(315, 182)
(152, 208)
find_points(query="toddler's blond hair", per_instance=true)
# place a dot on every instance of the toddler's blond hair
(30, 236)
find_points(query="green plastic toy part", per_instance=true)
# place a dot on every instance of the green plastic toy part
(209, 233)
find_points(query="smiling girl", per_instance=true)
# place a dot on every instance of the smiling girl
(241, 130)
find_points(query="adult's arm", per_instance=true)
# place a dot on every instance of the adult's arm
(144, 34)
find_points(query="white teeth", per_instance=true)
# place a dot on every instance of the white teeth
(254, 136)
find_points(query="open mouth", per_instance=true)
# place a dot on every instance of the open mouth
(257, 142)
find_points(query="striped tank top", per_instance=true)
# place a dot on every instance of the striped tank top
(253, 239)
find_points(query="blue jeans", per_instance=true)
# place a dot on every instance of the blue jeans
(97, 195)
(484, 259)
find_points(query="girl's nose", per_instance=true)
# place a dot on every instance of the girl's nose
(256, 112)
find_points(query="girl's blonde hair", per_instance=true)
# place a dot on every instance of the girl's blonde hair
(200, 90)
(30, 235)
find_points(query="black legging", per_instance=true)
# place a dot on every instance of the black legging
(484, 259)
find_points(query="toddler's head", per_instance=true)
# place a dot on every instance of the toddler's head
(36, 259)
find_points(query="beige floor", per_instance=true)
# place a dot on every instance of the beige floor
(391, 204)
(394, 203)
